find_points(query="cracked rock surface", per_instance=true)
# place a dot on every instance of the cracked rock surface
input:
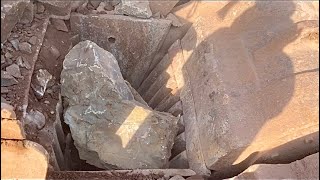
(110, 129)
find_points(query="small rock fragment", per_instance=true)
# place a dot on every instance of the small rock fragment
(4, 90)
(162, 7)
(22, 62)
(40, 8)
(109, 7)
(3, 100)
(83, 8)
(3, 59)
(35, 118)
(174, 19)
(76, 4)
(101, 6)
(138, 9)
(15, 44)
(177, 177)
(8, 55)
(95, 3)
(7, 79)
(114, 2)
(75, 39)
(54, 52)
(33, 40)
(25, 47)
(10, 49)
(157, 15)
(28, 15)
(42, 78)
(59, 9)
(14, 70)
(7, 111)
(60, 25)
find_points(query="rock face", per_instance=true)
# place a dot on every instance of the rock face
(247, 86)
(110, 129)
(132, 41)
(11, 12)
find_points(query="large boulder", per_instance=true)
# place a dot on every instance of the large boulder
(111, 129)
(249, 81)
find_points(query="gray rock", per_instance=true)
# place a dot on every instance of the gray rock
(59, 24)
(14, 71)
(177, 177)
(8, 55)
(133, 58)
(136, 95)
(35, 119)
(11, 12)
(101, 6)
(85, 62)
(25, 47)
(33, 40)
(162, 7)
(7, 79)
(40, 8)
(3, 59)
(76, 4)
(138, 9)
(174, 19)
(15, 44)
(4, 90)
(9, 61)
(57, 8)
(110, 129)
(42, 79)
(114, 2)
(180, 161)
(108, 7)
(95, 3)
(22, 62)
(9, 48)
(28, 14)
